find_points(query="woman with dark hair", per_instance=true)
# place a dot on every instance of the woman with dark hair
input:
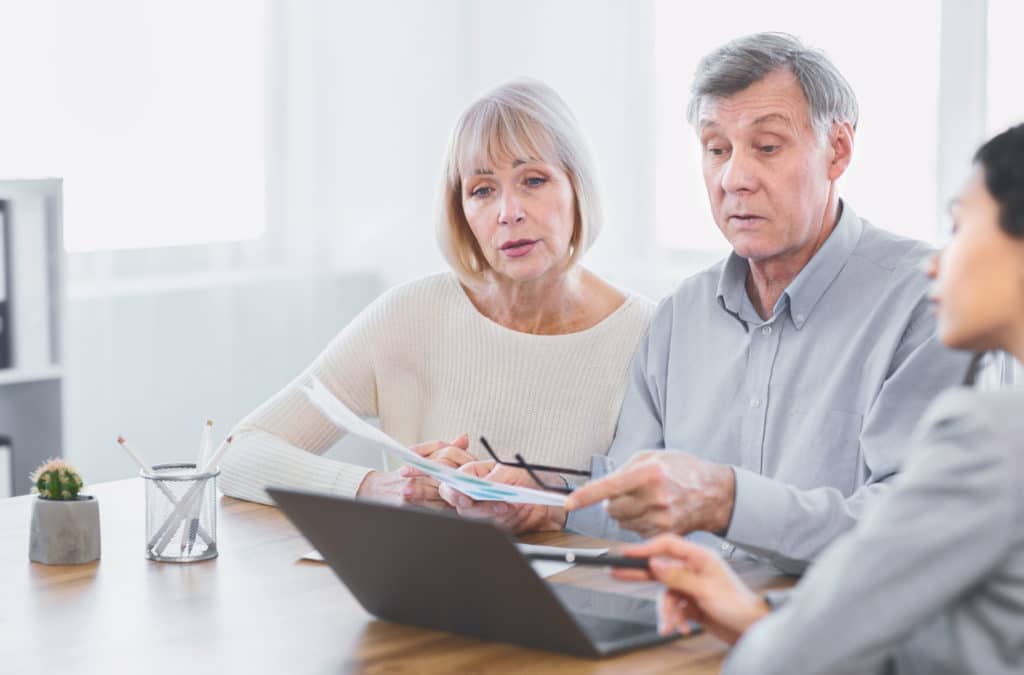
(932, 578)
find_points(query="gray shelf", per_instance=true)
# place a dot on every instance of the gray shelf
(31, 389)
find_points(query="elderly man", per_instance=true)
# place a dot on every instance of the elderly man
(774, 395)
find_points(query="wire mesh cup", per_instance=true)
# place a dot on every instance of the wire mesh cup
(181, 513)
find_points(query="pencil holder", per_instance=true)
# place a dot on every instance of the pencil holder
(181, 513)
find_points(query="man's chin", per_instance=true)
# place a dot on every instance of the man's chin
(755, 251)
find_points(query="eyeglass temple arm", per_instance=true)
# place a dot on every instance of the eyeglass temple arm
(538, 481)
(524, 464)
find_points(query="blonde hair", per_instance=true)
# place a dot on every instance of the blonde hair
(518, 120)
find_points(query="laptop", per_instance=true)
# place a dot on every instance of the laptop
(439, 571)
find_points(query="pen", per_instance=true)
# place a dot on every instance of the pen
(164, 534)
(137, 458)
(597, 560)
(204, 453)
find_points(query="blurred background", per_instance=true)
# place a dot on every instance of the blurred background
(238, 178)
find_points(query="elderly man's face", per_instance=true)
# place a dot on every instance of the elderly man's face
(768, 174)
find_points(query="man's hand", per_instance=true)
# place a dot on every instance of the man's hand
(659, 491)
(699, 586)
(409, 486)
(518, 518)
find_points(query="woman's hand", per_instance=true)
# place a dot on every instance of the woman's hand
(409, 486)
(518, 518)
(699, 586)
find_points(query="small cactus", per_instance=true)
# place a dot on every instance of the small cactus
(56, 479)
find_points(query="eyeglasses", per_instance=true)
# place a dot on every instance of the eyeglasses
(533, 468)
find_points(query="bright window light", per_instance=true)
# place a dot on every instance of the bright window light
(894, 70)
(1005, 106)
(151, 111)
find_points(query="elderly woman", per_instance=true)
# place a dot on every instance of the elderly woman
(520, 344)
(932, 579)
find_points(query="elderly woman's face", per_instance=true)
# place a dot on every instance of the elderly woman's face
(522, 214)
(979, 277)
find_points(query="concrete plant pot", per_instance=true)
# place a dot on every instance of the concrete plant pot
(65, 532)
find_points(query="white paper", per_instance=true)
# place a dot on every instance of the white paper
(479, 489)
(543, 568)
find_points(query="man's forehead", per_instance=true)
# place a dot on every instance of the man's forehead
(770, 100)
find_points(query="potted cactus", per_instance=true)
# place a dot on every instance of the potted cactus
(65, 524)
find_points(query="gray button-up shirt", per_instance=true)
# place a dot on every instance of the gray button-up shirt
(812, 407)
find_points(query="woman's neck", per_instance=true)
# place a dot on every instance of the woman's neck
(546, 306)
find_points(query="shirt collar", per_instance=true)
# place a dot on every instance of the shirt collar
(810, 284)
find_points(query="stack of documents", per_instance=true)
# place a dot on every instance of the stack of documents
(476, 488)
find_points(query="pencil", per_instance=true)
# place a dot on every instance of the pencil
(133, 454)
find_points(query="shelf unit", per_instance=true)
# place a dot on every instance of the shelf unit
(31, 389)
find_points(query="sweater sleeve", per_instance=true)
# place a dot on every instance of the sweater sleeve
(939, 531)
(281, 442)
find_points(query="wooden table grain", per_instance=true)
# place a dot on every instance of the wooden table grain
(256, 608)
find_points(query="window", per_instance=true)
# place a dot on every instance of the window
(893, 69)
(1005, 54)
(152, 112)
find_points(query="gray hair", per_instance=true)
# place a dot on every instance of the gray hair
(740, 63)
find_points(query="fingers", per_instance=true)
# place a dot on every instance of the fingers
(499, 511)
(632, 476)
(478, 468)
(676, 575)
(453, 496)
(468, 507)
(642, 550)
(628, 507)
(510, 476)
(666, 610)
(629, 574)
(675, 612)
(406, 471)
(452, 456)
(427, 449)
(420, 489)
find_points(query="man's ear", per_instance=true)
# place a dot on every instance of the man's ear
(840, 141)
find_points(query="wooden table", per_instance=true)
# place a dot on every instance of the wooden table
(255, 609)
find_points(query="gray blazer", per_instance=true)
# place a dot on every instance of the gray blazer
(932, 578)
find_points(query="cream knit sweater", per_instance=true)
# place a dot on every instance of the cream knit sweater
(426, 362)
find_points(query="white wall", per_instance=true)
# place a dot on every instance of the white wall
(152, 364)
(391, 78)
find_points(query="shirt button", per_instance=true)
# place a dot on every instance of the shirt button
(800, 318)
(766, 330)
(754, 402)
(725, 546)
